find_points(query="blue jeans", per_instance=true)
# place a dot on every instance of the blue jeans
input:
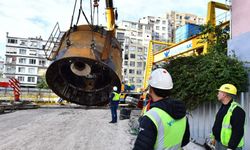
(114, 112)
(219, 146)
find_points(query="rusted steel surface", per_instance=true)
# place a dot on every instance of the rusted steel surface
(87, 65)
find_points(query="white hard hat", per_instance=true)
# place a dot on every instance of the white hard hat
(114, 88)
(161, 79)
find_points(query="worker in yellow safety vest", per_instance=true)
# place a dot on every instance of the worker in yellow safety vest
(164, 125)
(114, 102)
(228, 128)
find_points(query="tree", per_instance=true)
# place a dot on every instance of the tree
(42, 83)
(196, 78)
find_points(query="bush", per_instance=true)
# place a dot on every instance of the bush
(197, 78)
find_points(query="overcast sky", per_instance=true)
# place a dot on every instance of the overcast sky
(33, 18)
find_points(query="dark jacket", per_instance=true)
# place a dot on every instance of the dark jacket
(148, 132)
(237, 121)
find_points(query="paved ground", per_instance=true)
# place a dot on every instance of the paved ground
(65, 129)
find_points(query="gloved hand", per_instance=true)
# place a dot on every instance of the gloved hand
(213, 142)
(229, 149)
(212, 139)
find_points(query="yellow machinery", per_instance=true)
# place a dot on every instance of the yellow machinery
(87, 62)
(191, 46)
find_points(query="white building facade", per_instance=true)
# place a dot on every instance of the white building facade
(1, 66)
(25, 60)
(134, 38)
(162, 30)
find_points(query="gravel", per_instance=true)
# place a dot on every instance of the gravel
(65, 129)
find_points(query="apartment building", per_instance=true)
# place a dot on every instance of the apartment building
(25, 60)
(134, 38)
(1, 66)
(161, 30)
(161, 27)
(178, 19)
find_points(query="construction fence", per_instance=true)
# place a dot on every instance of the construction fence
(29, 94)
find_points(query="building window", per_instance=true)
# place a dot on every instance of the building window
(125, 71)
(125, 63)
(164, 28)
(21, 69)
(140, 57)
(20, 78)
(133, 33)
(8, 60)
(133, 40)
(22, 51)
(132, 55)
(132, 48)
(126, 47)
(139, 41)
(126, 56)
(163, 22)
(23, 43)
(31, 70)
(11, 50)
(120, 36)
(138, 80)
(139, 64)
(10, 70)
(131, 71)
(13, 41)
(140, 26)
(147, 27)
(22, 60)
(187, 17)
(132, 80)
(157, 27)
(33, 43)
(42, 62)
(32, 52)
(139, 72)
(132, 64)
(139, 49)
(133, 25)
(32, 61)
(31, 79)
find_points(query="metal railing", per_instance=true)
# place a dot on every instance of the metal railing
(51, 46)
(30, 94)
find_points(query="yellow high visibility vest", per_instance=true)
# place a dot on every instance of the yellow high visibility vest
(170, 131)
(226, 129)
(116, 97)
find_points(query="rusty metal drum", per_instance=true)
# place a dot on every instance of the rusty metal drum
(87, 64)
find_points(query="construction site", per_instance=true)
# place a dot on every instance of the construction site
(86, 63)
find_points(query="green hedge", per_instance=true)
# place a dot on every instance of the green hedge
(197, 78)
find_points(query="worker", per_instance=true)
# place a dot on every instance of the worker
(114, 102)
(228, 128)
(165, 125)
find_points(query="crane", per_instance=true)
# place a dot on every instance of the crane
(191, 46)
